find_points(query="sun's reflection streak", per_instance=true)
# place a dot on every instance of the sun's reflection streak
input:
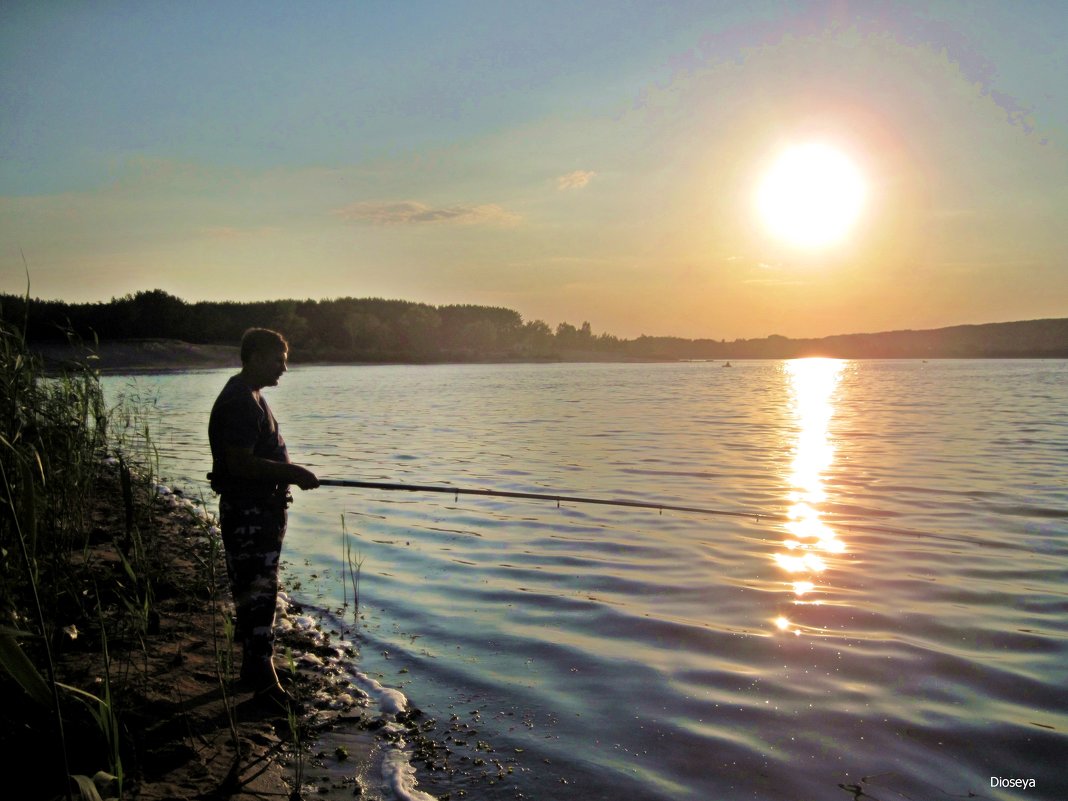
(810, 541)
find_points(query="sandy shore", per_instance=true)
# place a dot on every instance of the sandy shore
(140, 354)
(188, 730)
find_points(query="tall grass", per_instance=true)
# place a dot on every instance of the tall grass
(54, 437)
(53, 433)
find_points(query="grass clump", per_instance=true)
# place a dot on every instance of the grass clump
(54, 604)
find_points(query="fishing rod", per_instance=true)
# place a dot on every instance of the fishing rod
(538, 496)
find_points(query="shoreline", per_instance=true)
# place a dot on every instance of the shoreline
(349, 738)
(141, 355)
(188, 730)
(172, 355)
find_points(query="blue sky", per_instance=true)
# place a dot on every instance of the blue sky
(575, 162)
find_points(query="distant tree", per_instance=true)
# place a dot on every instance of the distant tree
(537, 339)
(608, 343)
(419, 327)
(158, 314)
(327, 322)
(290, 323)
(566, 335)
(458, 323)
(367, 334)
(479, 337)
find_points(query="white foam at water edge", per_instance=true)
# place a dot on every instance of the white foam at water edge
(389, 701)
(172, 498)
(398, 774)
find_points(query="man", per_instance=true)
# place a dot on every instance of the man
(252, 472)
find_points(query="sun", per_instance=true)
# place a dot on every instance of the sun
(811, 196)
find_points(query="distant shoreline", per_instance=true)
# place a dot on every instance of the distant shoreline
(172, 355)
(161, 355)
(138, 355)
(154, 331)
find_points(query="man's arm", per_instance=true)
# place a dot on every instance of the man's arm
(241, 463)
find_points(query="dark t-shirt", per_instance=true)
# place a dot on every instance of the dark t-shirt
(242, 419)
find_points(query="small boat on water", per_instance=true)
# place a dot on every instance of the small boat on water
(726, 364)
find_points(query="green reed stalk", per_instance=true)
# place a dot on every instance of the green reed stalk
(344, 559)
(355, 567)
(355, 570)
(224, 657)
(297, 733)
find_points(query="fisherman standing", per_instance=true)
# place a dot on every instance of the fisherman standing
(252, 472)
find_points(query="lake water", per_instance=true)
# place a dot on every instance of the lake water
(897, 625)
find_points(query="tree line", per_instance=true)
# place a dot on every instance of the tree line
(378, 330)
(340, 329)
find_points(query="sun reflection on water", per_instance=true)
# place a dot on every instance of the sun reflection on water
(810, 544)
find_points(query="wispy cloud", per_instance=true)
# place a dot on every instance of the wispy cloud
(410, 212)
(579, 179)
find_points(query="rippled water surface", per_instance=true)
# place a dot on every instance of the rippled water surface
(896, 624)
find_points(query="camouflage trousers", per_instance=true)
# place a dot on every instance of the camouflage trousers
(252, 534)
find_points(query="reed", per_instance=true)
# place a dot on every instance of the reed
(55, 432)
(37, 418)
(344, 554)
(354, 565)
(222, 636)
(296, 733)
(52, 435)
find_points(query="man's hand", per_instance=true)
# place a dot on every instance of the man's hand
(303, 478)
(242, 464)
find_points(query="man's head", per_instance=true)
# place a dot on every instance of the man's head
(263, 356)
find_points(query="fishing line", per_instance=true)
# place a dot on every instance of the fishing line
(539, 496)
(650, 505)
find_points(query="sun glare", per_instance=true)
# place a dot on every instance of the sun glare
(811, 196)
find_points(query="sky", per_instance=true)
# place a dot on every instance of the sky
(593, 161)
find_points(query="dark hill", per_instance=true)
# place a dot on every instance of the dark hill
(1025, 339)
